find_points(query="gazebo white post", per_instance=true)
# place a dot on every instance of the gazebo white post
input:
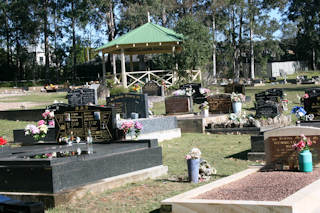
(123, 69)
(174, 77)
(114, 66)
(103, 69)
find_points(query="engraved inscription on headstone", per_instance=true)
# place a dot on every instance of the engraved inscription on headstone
(178, 104)
(127, 103)
(79, 119)
(281, 155)
(82, 96)
(220, 104)
(284, 157)
(152, 88)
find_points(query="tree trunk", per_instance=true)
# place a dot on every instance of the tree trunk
(240, 65)
(46, 41)
(251, 43)
(314, 67)
(214, 63)
(73, 42)
(7, 35)
(234, 44)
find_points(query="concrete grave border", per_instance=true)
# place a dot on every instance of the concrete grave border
(306, 200)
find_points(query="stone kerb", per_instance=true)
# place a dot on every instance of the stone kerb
(292, 131)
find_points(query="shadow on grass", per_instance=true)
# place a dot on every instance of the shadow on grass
(241, 155)
(156, 211)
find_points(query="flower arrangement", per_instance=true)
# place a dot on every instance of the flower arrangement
(195, 153)
(179, 92)
(37, 132)
(237, 97)
(204, 106)
(303, 144)
(2, 141)
(300, 112)
(204, 91)
(130, 126)
(135, 88)
(48, 116)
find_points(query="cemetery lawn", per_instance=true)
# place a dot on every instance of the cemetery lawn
(227, 153)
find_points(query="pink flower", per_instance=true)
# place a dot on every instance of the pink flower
(188, 157)
(138, 125)
(41, 122)
(306, 96)
(51, 123)
(309, 142)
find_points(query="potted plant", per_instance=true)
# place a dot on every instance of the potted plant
(237, 100)
(204, 107)
(193, 162)
(305, 156)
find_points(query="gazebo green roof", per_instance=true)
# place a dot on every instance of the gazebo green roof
(146, 39)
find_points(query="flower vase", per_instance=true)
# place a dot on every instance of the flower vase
(205, 113)
(236, 106)
(305, 161)
(193, 170)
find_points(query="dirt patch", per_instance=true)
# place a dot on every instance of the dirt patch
(263, 186)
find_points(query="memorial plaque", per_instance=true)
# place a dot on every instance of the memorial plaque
(197, 97)
(282, 156)
(152, 88)
(220, 104)
(178, 104)
(82, 96)
(127, 103)
(79, 119)
(236, 88)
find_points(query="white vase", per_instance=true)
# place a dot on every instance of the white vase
(205, 113)
(236, 106)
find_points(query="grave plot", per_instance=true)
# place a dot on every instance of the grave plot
(252, 191)
(128, 103)
(55, 172)
(197, 97)
(278, 187)
(220, 103)
(236, 88)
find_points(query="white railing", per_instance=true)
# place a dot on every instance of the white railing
(167, 77)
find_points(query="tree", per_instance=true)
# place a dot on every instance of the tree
(196, 46)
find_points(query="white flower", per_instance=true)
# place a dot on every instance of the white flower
(195, 153)
(43, 128)
(233, 116)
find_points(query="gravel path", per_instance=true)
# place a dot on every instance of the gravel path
(263, 186)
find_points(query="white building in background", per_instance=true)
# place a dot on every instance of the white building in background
(39, 53)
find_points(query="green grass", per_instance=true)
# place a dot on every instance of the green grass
(227, 153)
(7, 127)
(36, 97)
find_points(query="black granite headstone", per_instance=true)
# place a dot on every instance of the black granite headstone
(152, 88)
(197, 97)
(79, 119)
(127, 103)
(269, 109)
(312, 103)
(82, 96)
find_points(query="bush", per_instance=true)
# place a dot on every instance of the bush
(118, 90)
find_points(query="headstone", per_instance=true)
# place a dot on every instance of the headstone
(269, 103)
(272, 79)
(178, 104)
(79, 119)
(152, 88)
(236, 88)
(280, 154)
(197, 97)
(220, 103)
(127, 103)
(312, 104)
(82, 96)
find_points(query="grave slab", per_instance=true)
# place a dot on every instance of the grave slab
(305, 200)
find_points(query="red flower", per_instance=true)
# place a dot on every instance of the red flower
(2, 141)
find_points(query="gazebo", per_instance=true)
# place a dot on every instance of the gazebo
(147, 39)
